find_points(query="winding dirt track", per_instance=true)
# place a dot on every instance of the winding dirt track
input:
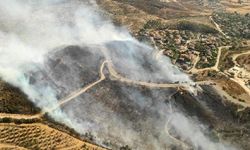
(80, 91)
(116, 75)
(141, 83)
(120, 78)
(238, 80)
(180, 142)
(215, 67)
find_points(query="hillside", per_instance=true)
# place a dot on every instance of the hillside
(169, 74)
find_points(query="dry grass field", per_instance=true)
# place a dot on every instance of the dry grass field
(244, 61)
(137, 13)
(234, 6)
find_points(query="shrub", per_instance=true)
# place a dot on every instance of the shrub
(154, 24)
(195, 27)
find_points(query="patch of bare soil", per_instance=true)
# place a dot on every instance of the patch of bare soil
(126, 15)
(234, 90)
(244, 61)
(169, 10)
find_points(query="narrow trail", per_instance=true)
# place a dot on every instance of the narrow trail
(183, 6)
(218, 27)
(20, 116)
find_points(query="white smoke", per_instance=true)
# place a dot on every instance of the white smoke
(30, 30)
(190, 131)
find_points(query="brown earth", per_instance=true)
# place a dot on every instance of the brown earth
(234, 6)
(40, 136)
(244, 61)
(134, 14)
(234, 89)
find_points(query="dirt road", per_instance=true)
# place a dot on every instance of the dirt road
(215, 67)
(11, 147)
(235, 56)
(236, 78)
(120, 78)
(80, 91)
(116, 75)
(20, 116)
(179, 142)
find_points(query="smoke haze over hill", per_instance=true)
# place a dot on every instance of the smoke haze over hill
(35, 36)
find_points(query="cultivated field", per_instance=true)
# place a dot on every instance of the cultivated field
(39, 136)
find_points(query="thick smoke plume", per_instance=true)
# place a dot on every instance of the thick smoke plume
(32, 34)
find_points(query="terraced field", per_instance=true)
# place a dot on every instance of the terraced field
(39, 136)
